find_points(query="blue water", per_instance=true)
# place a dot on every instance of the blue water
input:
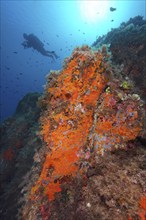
(61, 26)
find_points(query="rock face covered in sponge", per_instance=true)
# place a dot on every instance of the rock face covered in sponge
(87, 109)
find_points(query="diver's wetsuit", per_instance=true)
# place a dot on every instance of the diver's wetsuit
(32, 41)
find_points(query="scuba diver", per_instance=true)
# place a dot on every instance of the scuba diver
(32, 41)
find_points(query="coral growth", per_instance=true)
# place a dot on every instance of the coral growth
(142, 209)
(128, 47)
(142, 212)
(18, 142)
(87, 109)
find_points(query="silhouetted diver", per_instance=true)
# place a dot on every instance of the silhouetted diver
(32, 41)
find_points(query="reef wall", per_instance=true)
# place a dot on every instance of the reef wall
(89, 108)
(128, 48)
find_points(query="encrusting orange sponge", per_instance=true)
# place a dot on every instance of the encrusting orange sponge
(84, 109)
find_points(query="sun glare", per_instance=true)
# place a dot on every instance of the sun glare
(92, 10)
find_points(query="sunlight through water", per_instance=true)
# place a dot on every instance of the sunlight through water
(93, 10)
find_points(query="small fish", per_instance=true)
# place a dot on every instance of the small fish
(15, 52)
(112, 20)
(112, 9)
(7, 68)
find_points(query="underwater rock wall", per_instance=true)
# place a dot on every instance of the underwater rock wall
(18, 143)
(128, 48)
(89, 108)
